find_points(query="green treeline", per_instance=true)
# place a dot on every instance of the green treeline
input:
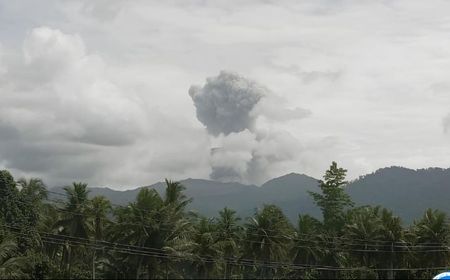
(76, 237)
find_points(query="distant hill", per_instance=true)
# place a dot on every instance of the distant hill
(408, 192)
(288, 191)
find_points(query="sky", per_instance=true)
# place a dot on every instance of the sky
(126, 93)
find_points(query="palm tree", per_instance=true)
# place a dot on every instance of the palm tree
(175, 198)
(432, 233)
(309, 242)
(229, 235)
(175, 227)
(49, 214)
(10, 206)
(268, 237)
(138, 224)
(33, 189)
(393, 236)
(364, 227)
(205, 248)
(98, 209)
(74, 222)
(12, 265)
(153, 222)
(31, 196)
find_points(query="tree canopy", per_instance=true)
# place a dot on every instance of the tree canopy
(153, 237)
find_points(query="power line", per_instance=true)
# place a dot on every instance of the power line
(364, 241)
(297, 239)
(293, 238)
(244, 262)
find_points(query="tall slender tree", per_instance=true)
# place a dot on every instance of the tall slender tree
(98, 210)
(333, 200)
(394, 241)
(229, 235)
(74, 223)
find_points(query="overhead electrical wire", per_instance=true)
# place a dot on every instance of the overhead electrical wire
(366, 243)
(244, 262)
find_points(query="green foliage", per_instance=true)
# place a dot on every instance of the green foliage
(10, 207)
(154, 237)
(269, 235)
(308, 240)
(30, 197)
(433, 229)
(99, 207)
(12, 264)
(333, 200)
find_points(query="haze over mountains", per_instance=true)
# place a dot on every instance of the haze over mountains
(405, 191)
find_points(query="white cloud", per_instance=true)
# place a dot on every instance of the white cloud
(67, 119)
(108, 83)
(446, 123)
(103, 9)
(3, 68)
(48, 47)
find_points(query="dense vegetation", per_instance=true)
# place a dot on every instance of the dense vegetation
(156, 237)
(391, 187)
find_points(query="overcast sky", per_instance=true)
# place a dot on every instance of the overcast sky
(125, 93)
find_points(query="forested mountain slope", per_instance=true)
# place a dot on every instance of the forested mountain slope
(408, 192)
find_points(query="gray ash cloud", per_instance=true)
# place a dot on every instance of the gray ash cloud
(225, 102)
(229, 106)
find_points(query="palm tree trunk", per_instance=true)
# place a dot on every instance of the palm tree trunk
(69, 260)
(93, 265)
(391, 264)
(366, 262)
(138, 269)
(226, 276)
(261, 273)
(227, 273)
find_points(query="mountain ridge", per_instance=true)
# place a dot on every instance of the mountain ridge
(408, 192)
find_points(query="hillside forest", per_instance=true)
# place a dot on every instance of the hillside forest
(71, 235)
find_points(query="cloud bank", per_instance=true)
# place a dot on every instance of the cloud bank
(65, 117)
(446, 123)
(97, 90)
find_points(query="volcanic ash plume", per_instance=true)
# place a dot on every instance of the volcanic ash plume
(225, 103)
(229, 105)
